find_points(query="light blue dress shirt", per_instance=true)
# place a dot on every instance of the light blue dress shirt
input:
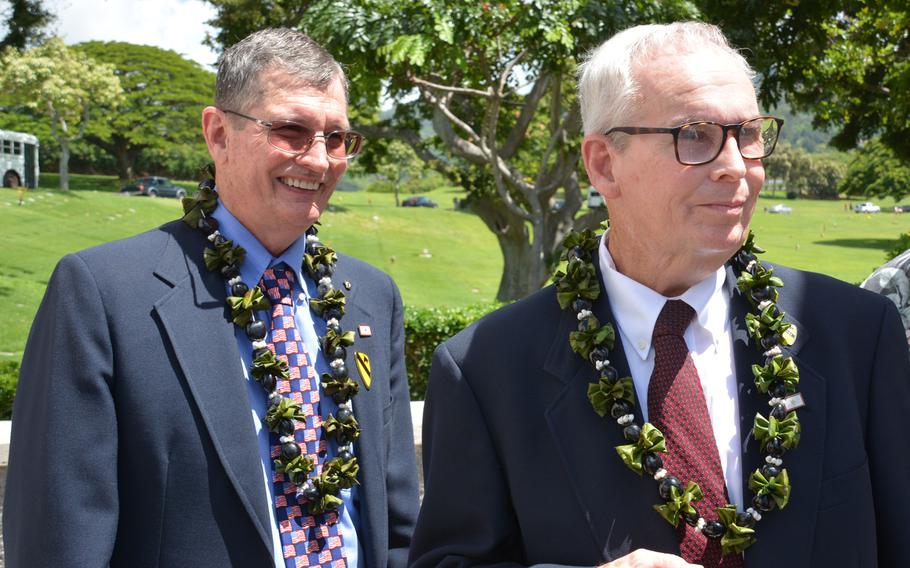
(257, 260)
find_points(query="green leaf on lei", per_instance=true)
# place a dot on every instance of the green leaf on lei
(332, 299)
(766, 324)
(266, 363)
(296, 469)
(735, 538)
(285, 409)
(322, 256)
(340, 473)
(787, 430)
(343, 432)
(579, 280)
(651, 440)
(586, 240)
(778, 487)
(750, 246)
(199, 205)
(763, 277)
(604, 393)
(778, 369)
(344, 388)
(242, 307)
(332, 340)
(596, 335)
(680, 503)
(223, 254)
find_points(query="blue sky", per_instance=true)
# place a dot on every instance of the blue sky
(171, 24)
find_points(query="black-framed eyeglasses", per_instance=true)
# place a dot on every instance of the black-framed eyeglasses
(295, 138)
(701, 142)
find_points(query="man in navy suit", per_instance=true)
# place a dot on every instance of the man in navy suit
(154, 424)
(762, 410)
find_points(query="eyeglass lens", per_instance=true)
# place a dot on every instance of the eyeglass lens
(296, 138)
(702, 142)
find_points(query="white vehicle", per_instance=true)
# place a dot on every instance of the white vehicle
(595, 200)
(866, 207)
(18, 159)
(780, 208)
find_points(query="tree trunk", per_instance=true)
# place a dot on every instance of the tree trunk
(64, 166)
(518, 277)
(124, 163)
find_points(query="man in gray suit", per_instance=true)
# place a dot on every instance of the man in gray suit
(224, 389)
(663, 370)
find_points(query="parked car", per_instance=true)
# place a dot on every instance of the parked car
(154, 186)
(595, 200)
(866, 207)
(418, 201)
(779, 208)
(902, 208)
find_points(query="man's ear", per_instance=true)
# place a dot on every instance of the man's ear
(215, 131)
(599, 156)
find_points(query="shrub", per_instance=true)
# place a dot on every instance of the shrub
(9, 376)
(424, 329)
(902, 244)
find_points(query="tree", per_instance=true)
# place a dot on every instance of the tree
(62, 84)
(847, 62)
(877, 170)
(25, 24)
(496, 80)
(163, 94)
(400, 165)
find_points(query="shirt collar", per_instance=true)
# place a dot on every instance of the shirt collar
(258, 258)
(636, 307)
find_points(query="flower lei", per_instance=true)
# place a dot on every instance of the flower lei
(318, 492)
(578, 287)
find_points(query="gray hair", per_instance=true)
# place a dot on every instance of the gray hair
(607, 86)
(241, 65)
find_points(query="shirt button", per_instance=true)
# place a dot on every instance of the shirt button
(301, 296)
(642, 343)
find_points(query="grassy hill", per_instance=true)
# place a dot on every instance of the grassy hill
(438, 257)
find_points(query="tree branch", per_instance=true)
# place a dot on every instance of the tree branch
(445, 88)
(520, 129)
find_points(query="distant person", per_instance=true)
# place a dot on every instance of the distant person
(661, 402)
(152, 430)
(892, 280)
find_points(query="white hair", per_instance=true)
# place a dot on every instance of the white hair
(607, 86)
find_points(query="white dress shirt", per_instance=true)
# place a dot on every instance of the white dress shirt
(636, 307)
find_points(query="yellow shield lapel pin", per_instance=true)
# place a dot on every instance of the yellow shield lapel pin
(363, 367)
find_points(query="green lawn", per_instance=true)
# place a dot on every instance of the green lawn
(438, 257)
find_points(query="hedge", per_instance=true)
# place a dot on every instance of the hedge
(9, 376)
(424, 329)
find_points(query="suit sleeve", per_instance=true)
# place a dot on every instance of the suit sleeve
(889, 421)
(401, 479)
(61, 501)
(467, 517)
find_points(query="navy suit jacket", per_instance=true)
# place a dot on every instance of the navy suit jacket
(132, 440)
(520, 470)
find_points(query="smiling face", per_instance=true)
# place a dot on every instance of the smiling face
(276, 195)
(677, 215)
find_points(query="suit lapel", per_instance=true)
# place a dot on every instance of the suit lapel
(194, 319)
(779, 528)
(368, 410)
(616, 504)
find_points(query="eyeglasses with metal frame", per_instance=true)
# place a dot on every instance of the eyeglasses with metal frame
(697, 143)
(295, 138)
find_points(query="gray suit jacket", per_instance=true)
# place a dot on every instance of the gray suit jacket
(520, 470)
(132, 441)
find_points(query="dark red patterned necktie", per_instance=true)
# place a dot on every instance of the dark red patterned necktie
(676, 406)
